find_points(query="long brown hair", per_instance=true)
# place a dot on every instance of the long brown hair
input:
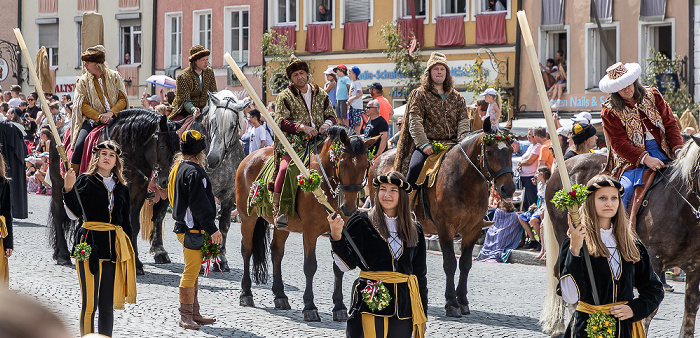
(2, 166)
(618, 103)
(427, 81)
(200, 158)
(624, 236)
(118, 169)
(405, 226)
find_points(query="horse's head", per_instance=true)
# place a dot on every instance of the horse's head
(166, 145)
(496, 157)
(222, 123)
(349, 163)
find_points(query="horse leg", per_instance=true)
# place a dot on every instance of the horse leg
(310, 311)
(277, 252)
(135, 214)
(159, 254)
(465, 265)
(60, 223)
(224, 225)
(449, 264)
(692, 296)
(340, 312)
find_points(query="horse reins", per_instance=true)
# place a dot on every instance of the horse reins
(156, 167)
(484, 163)
(339, 186)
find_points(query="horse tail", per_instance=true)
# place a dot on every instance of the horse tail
(261, 243)
(553, 308)
(146, 220)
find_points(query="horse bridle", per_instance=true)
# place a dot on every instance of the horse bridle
(339, 186)
(227, 101)
(693, 191)
(484, 163)
(156, 166)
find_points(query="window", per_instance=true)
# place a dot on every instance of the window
(202, 29)
(552, 41)
(320, 11)
(356, 11)
(491, 7)
(453, 6)
(237, 36)
(285, 11)
(404, 8)
(130, 41)
(173, 40)
(48, 37)
(79, 39)
(658, 36)
(596, 57)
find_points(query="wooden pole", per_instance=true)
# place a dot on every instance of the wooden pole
(42, 98)
(558, 155)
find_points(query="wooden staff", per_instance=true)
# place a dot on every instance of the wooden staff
(40, 92)
(318, 193)
(558, 155)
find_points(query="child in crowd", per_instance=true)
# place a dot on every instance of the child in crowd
(503, 236)
(533, 217)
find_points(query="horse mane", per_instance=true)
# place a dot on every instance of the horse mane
(356, 146)
(141, 124)
(685, 166)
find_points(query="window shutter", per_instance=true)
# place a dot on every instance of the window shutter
(357, 10)
(48, 35)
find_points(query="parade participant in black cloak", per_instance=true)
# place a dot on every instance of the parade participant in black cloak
(13, 148)
(619, 260)
(107, 275)
(393, 246)
(5, 226)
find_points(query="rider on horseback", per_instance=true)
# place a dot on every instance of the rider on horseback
(99, 96)
(193, 85)
(435, 112)
(301, 108)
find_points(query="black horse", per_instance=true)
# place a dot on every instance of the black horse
(148, 141)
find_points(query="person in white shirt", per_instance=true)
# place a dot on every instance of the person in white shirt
(259, 137)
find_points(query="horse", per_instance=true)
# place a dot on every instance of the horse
(459, 201)
(149, 142)
(346, 177)
(667, 226)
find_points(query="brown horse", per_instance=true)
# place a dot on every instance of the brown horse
(668, 226)
(459, 201)
(346, 175)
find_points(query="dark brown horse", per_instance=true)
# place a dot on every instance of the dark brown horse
(458, 202)
(346, 177)
(669, 226)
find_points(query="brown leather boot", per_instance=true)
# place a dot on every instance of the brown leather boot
(76, 168)
(281, 221)
(195, 309)
(186, 308)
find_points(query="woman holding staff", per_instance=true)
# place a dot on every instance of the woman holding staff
(619, 260)
(103, 251)
(394, 247)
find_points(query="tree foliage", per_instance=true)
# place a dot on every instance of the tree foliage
(662, 73)
(275, 46)
(407, 64)
(480, 82)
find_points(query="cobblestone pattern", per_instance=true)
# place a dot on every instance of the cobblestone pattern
(505, 298)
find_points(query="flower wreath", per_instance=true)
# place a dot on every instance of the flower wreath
(210, 254)
(564, 200)
(376, 295)
(82, 251)
(488, 138)
(256, 193)
(309, 184)
(601, 325)
(298, 141)
(336, 148)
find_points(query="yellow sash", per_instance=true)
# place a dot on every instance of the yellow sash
(4, 270)
(417, 313)
(171, 182)
(3, 227)
(637, 327)
(125, 273)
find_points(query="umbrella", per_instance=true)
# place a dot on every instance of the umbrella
(162, 80)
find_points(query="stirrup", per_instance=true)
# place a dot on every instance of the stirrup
(281, 221)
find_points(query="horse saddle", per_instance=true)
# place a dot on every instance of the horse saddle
(640, 198)
(431, 167)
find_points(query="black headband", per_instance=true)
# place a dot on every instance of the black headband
(607, 183)
(392, 180)
(107, 145)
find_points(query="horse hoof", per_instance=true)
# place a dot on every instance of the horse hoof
(340, 315)
(64, 261)
(465, 309)
(247, 301)
(453, 311)
(282, 304)
(222, 267)
(311, 315)
(162, 258)
(139, 271)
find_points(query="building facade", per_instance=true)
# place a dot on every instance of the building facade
(128, 29)
(633, 28)
(9, 59)
(222, 26)
(464, 30)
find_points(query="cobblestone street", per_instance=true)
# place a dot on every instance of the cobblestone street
(505, 299)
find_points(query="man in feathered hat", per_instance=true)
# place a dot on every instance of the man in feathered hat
(193, 85)
(300, 108)
(435, 111)
(99, 96)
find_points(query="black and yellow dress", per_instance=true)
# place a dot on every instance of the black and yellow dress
(615, 280)
(401, 268)
(5, 230)
(108, 277)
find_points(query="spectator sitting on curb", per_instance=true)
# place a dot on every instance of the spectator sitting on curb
(533, 217)
(503, 236)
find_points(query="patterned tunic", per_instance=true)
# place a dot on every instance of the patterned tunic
(188, 89)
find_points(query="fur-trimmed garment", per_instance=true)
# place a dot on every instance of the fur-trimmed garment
(627, 135)
(89, 100)
(428, 118)
(188, 90)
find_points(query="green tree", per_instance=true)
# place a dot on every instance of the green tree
(407, 64)
(275, 46)
(660, 74)
(480, 82)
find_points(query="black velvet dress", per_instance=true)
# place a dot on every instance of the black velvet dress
(638, 275)
(378, 256)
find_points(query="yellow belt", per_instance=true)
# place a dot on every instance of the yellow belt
(125, 272)
(417, 313)
(3, 227)
(637, 327)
